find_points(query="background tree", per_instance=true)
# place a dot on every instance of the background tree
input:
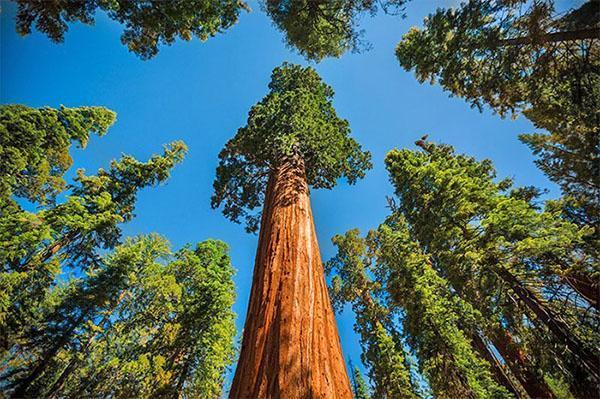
(511, 260)
(432, 314)
(325, 28)
(65, 237)
(360, 389)
(155, 325)
(293, 139)
(35, 144)
(526, 57)
(382, 350)
(148, 23)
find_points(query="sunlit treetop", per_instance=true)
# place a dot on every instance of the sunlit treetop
(325, 28)
(510, 55)
(148, 23)
(35, 144)
(295, 121)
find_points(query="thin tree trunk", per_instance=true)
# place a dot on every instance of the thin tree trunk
(516, 359)
(24, 384)
(290, 347)
(582, 34)
(500, 374)
(58, 384)
(588, 358)
(49, 251)
(584, 286)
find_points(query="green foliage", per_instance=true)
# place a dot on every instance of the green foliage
(38, 248)
(143, 323)
(473, 229)
(35, 144)
(521, 56)
(324, 28)
(148, 23)
(360, 387)
(383, 353)
(295, 120)
(432, 316)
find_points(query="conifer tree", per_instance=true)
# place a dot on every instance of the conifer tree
(155, 325)
(325, 28)
(383, 353)
(495, 247)
(433, 316)
(526, 57)
(34, 147)
(360, 389)
(293, 139)
(148, 23)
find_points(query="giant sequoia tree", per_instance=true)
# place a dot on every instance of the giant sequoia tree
(293, 139)
(148, 23)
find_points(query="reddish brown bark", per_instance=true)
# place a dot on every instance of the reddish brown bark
(290, 347)
(500, 374)
(532, 383)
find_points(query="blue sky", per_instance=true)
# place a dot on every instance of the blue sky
(201, 93)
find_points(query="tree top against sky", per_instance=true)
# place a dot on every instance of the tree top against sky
(325, 28)
(295, 121)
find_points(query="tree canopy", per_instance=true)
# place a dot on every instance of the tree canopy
(148, 23)
(325, 28)
(527, 57)
(35, 144)
(295, 122)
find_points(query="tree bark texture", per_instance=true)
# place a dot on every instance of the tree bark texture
(533, 383)
(290, 346)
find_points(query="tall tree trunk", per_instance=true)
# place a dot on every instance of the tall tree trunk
(588, 357)
(500, 373)
(58, 384)
(24, 384)
(516, 359)
(290, 347)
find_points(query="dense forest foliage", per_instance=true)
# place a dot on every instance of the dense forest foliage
(82, 311)
(470, 287)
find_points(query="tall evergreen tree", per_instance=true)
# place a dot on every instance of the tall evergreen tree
(528, 57)
(293, 139)
(433, 316)
(383, 353)
(360, 389)
(155, 325)
(34, 147)
(495, 247)
(148, 23)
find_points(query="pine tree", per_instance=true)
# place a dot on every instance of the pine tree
(293, 139)
(325, 28)
(360, 389)
(383, 353)
(155, 325)
(433, 316)
(34, 147)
